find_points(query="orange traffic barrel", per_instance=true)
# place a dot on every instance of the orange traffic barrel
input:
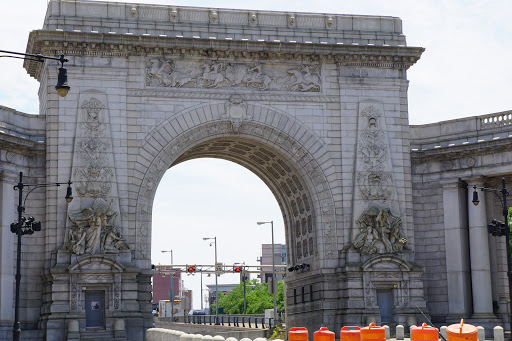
(350, 334)
(373, 333)
(323, 334)
(424, 333)
(298, 334)
(461, 332)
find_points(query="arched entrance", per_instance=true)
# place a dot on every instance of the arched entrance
(275, 155)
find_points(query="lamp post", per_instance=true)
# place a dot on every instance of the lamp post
(27, 226)
(273, 266)
(62, 77)
(498, 228)
(216, 281)
(171, 294)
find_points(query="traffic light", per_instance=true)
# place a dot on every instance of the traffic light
(191, 269)
(237, 268)
(28, 226)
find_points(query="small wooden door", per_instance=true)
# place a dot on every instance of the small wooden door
(95, 308)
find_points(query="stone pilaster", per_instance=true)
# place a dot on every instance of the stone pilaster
(456, 241)
(479, 254)
(7, 217)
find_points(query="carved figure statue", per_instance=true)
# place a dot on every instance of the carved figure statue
(379, 232)
(211, 77)
(303, 80)
(164, 73)
(94, 230)
(77, 241)
(256, 79)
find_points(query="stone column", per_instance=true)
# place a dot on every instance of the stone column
(457, 247)
(7, 238)
(479, 253)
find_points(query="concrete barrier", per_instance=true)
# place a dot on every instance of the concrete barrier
(443, 331)
(400, 334)
(480, 331)
(387, 334)
(498, 334)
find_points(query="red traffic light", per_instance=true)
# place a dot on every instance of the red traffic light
(191, 269)
(237, 269)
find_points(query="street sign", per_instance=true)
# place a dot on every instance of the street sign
(219, 268)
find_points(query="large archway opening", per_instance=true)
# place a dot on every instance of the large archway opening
(212, 197)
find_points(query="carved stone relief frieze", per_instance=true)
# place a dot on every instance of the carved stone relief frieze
(164, 72)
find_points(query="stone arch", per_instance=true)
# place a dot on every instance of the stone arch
(288, 157)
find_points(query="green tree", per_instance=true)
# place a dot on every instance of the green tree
(257, 298)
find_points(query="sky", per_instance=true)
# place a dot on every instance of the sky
(465, 71)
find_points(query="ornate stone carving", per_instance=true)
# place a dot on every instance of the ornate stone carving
(94, 278)
(92, 111)
(373, 177)
(379, 232)
(74, 296)
(214, 16)
(92, 152)
(368, 293)
(165, 72)
(292, 21)
(374, 186)
(93, 182)
(253, 18)
(236, 112)
(94, 230)
(174, 14)
(329, 22)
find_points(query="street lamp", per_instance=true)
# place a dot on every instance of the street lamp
(273, 266)
(171, 294)
(62, 77)
(216, 281)
(27, 226)
(498, 228)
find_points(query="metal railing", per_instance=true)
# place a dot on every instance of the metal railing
(232, 320)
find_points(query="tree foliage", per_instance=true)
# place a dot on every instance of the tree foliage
(257, 298)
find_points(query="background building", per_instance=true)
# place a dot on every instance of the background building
(162, 286)
(266, 259)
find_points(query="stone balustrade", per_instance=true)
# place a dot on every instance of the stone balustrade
(463, 131)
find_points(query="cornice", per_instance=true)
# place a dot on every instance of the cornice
(115, 45)
(20, 145)
(467, 150)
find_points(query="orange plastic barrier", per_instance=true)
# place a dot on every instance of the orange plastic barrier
(461, 332)
(373, 333)
(298, 334)
(323, 334)
(350, 334)
(424, 333)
